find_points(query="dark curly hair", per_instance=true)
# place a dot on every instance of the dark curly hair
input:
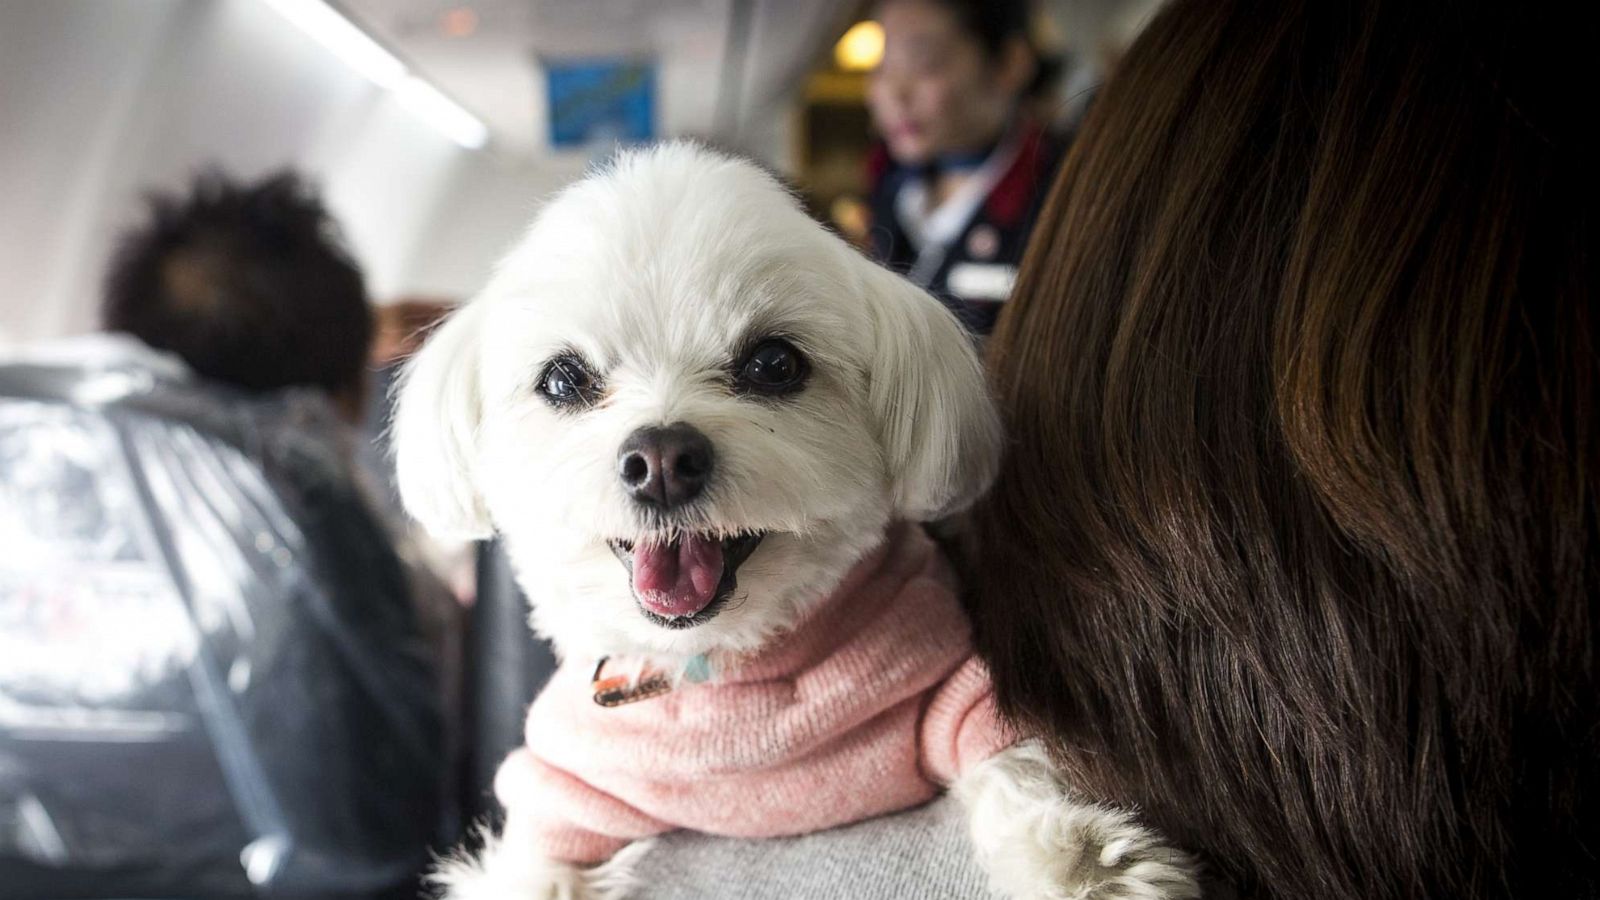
(249, 283)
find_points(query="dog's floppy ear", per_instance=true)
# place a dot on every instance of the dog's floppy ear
(936, 421)
(436, 429)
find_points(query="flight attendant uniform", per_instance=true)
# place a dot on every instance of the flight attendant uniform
(966, 251)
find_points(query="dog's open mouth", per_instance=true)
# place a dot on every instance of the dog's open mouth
(684, 582)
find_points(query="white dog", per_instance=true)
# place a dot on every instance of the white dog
(699, 419)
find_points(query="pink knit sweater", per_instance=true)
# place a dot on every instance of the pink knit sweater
(869, 706)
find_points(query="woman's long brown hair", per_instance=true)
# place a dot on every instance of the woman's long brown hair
(1295, 546)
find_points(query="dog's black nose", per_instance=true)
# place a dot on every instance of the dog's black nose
(665, 467)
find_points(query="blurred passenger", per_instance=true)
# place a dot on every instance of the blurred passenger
(251, 286)
(195, 548)
(963, 167)
(248, 286)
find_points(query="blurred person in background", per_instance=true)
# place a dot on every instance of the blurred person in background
(963, 164)
(250, 286)
(197, 467)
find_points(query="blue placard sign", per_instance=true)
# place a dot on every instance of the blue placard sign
(601, 100)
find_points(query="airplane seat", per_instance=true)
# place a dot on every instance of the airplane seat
(506, 667)
(211, 677)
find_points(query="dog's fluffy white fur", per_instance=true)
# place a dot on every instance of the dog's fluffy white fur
(659, 272)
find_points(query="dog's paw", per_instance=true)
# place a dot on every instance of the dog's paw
(498, 872)
(1036, 841)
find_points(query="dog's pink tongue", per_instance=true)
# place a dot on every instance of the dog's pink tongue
(677, 579)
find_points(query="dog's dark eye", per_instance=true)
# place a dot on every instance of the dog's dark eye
(566, 382)
(773, 367)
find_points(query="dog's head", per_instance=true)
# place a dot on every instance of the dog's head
(688, 409)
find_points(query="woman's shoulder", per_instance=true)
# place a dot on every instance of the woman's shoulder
(923, 852)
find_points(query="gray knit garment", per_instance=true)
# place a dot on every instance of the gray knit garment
(922, 853)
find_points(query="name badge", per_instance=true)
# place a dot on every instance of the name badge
(981, 281)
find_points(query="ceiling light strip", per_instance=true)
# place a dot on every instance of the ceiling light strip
(328, 27)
